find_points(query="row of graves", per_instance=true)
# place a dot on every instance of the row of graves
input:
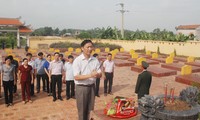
(185, 69)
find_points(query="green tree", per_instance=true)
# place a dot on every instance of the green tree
(62, 32)
(57, 32)
(84, 35)
(108, 34)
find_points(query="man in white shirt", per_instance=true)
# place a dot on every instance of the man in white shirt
(56, 72)
(108, 69)
(31, 62)
(69, 77)
(98, 79)
(86, 69)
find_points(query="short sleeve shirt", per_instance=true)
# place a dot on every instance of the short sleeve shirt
(109, 66)
(83, 66)
(56, 67)
(39, 66)
(8, 72)
(32, 64)
(46, 65)
(69, 71)
(25, 72)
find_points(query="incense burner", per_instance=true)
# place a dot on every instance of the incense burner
(154, 107)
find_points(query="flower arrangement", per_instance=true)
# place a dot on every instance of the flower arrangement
(120, 107)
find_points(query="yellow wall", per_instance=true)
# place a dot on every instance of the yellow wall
(190, 48)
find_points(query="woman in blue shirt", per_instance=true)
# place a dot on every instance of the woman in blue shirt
(8, 78)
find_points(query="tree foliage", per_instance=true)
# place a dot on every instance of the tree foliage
(114, 33)
(8, 39)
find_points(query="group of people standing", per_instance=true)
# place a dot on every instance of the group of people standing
(51, 73)
(82, 74)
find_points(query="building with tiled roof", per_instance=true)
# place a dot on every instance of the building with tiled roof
(15, 25)
(188, 29)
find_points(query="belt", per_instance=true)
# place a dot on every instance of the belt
(56, 74)
(109, 72)
(89, 85)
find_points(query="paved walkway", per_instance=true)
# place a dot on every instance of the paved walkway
(43, 108)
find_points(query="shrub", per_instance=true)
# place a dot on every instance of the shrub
(75, 45)
(64, 45)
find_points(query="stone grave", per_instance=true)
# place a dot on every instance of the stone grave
(182, 59)
(178, 66)
(190, 79)
(187, 77)
(155, 71)
(122, 63)
(163, 60)
(193, 64)
(150, 62)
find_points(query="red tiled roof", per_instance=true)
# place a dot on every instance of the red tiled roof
(24, 29)
(187, 27)
(10, 21)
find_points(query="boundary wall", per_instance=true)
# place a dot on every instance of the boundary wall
(189, 48)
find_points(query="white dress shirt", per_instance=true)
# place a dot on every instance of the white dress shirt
(56, 67)
(68, 71)
(109, 66)
(83, 66)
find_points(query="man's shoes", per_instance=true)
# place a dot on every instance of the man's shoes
(6, 105)
(33, 95)
(67, 98)
(54, 99)
(24, 102)
(10, 104)
(60, 98)
(97, 95)
(110, 93)
(105, 94)
(73, 97)
(30, 101)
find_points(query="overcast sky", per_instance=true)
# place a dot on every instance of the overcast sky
(86, 14)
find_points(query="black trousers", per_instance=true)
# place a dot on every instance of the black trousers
(97, 86)
(70, 84)
(15, 86)
(47, 83)
(56, 79)
(109, 79)
(32, 89)
(8, 88)
(39, 76)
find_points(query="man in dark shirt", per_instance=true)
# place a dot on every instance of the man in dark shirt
(144, 81)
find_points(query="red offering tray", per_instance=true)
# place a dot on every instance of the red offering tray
(121, 107)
